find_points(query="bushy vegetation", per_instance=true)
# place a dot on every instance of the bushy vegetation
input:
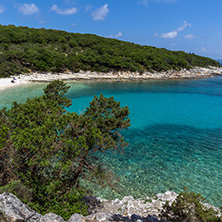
(188, 207)
(23, 49)
(44, 150)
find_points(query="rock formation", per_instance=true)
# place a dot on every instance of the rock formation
(128, 209)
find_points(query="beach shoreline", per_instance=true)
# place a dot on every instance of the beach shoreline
(195, 73)
(6, 83)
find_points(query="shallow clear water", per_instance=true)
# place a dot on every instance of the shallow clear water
(175, 138)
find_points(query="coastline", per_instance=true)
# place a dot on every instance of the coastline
(195, 73)
(147, 209)
(6, 83)
(127, 207)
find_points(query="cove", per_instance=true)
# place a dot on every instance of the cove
(175, 138)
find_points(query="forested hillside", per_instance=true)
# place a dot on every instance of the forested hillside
(24, 49)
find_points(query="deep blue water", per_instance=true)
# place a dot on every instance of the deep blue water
(175, 139)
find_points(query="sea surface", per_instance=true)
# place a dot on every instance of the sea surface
(175, 138)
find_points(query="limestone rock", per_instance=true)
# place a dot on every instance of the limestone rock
(128, 209)
(51, 217)
(99, 217)
(167, 196)
(13, 210)
(76, 218)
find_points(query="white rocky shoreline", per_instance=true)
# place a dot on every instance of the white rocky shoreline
(128, 209)
(195, 73)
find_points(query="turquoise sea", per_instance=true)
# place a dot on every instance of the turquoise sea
(175, 139)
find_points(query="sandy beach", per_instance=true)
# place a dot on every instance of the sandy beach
(114, 76)
(6, 83)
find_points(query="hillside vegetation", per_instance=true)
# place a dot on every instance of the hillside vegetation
(24, 49)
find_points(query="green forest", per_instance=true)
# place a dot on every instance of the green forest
(24, 50)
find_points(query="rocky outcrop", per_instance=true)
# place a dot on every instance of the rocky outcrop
(129, 206)
(12, 209)
(128, 209)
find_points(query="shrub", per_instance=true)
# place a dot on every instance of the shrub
(188, 207)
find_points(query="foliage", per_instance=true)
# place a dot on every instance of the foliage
(188, 207)
(111, 119)
(49, 149)
(64, 205)
(6, 151)
(18, 189)
(24, 49)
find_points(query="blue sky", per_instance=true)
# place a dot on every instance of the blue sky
(188, 25)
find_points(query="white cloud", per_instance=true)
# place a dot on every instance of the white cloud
(143, 2)
(28, 9)
(119, 34)
(100, 13)
(204, 49)
(173, 34)
(210, 52)
(169, 35)
(68, 11)
(190, 36)
(166, 1)
(42, 21)
(218, 51)
(2, 9)
(185, 24)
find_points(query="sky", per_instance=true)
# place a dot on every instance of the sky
(193, 26)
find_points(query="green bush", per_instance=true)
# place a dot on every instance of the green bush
(64, 205)
(188, 207)
(61, 204)
(18, 189)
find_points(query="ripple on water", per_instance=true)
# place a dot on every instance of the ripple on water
(162, 158)
(175, 138)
